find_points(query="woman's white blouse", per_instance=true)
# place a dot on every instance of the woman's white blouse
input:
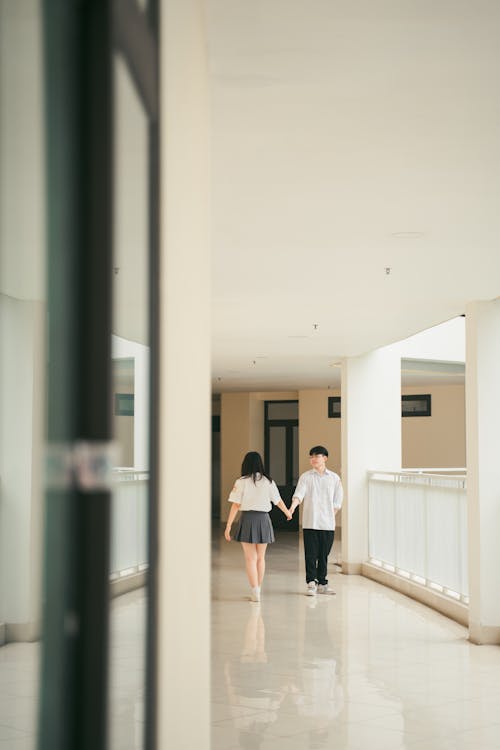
(254, 496)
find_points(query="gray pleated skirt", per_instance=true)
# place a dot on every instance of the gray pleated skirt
(255, 527)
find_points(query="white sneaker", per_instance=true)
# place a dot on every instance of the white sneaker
(323, 589)
(255, 594)
(311, 588)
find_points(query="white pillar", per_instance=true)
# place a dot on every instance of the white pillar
(483, 468)
(371, 439)
(141, 409)
(22, 399)
(185, 397)
(22, 317)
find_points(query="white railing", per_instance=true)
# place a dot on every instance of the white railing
(129, 509)
(417, 527)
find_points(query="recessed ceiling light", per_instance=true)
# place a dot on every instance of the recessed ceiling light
(407, 235)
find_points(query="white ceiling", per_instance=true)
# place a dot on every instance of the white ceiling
(349, 136)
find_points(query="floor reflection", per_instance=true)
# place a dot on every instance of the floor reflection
(366, 668)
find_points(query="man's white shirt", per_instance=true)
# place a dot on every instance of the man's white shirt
(320, 495)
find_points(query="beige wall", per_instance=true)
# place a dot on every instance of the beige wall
(438, 440)
(315, 427)
(235, 441)
(242, 430)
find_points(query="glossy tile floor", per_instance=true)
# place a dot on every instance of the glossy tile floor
(19, 664)
(367, 668)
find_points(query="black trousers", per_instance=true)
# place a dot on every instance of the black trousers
(317, 546)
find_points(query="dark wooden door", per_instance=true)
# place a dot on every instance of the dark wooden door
(281, 455)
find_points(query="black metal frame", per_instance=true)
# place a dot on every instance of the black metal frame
(277, 423)
(74, 684)
(289, 424)
(79, 39)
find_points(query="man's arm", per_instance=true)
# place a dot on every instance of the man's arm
(300, 491)
(338, 496)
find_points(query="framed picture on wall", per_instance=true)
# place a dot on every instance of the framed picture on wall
(334, 407)
(416, 405)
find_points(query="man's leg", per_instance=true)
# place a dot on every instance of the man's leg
(325, 543)
(310, 553)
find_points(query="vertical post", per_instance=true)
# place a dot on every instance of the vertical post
(482, 374)
(151, 687)
(371, 439)
(184, 640)
(73, 705)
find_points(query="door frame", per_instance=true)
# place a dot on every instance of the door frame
(288, 424)
(80, 38)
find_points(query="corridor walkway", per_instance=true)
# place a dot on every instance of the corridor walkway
(365, 669)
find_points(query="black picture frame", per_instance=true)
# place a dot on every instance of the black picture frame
(416, 405)
(334, 409)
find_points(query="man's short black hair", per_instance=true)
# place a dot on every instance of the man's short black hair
(318, 450)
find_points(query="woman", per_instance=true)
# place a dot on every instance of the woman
(253, 493)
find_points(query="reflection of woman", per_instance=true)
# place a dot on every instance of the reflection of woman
(253, 493)
(254, 647)
(252, 684)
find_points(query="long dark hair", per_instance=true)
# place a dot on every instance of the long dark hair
(252, 466)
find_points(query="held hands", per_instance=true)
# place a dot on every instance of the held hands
(289, 514)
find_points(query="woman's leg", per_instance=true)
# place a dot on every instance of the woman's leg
(250, 552)
(261, 561)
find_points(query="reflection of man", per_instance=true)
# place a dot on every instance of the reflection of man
(321, 492)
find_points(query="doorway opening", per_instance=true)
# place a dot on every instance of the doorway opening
(281, 454)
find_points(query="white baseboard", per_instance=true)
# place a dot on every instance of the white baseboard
(434, 599)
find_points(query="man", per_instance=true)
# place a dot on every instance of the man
(321, 491)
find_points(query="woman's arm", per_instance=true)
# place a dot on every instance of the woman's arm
(232, 515)
(281, 505)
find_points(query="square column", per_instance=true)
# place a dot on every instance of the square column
(483, 468)
(185, 394)
(371, 439)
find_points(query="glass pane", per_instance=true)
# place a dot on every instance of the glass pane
(277, 454)
(283, 410)
(22, 367)
(130, 400)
